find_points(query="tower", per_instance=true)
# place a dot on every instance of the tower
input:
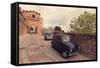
(30, 22)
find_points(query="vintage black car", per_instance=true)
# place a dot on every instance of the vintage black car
(64, 46)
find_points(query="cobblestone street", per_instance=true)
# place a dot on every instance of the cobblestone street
(34, 49)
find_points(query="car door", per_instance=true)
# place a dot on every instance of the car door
(59, 45)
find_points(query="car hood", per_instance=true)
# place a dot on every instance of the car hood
(69, 44)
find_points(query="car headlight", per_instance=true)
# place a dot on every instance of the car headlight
(71, 50)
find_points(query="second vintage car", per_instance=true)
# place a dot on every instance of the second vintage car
(48, 36)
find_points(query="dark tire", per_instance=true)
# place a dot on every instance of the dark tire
(45, 38)
(64, 54)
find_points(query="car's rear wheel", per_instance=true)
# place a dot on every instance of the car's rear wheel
(64, 54)
(45, 38)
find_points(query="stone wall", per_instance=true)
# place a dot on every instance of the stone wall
(22, 25)
(86, 42)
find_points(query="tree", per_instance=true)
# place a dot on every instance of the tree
(85, 23)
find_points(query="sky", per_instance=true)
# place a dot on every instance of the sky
(57, 16)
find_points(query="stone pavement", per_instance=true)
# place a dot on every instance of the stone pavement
(34, 49)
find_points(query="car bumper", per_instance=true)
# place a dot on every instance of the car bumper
(75, 53)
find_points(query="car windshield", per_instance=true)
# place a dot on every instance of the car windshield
(65, 38)
(49, 33)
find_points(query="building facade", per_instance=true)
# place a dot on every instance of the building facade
(30, 22)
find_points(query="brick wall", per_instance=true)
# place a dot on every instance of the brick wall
(86, 42)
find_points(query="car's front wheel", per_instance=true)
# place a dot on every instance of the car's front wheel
(64, 55)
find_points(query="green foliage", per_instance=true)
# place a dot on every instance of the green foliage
(85, 23)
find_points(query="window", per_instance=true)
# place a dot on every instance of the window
(33, 16)
(65, 38)
(31, 29)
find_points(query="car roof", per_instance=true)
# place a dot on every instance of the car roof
(69, 44)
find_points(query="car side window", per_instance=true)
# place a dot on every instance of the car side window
(65, 38)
